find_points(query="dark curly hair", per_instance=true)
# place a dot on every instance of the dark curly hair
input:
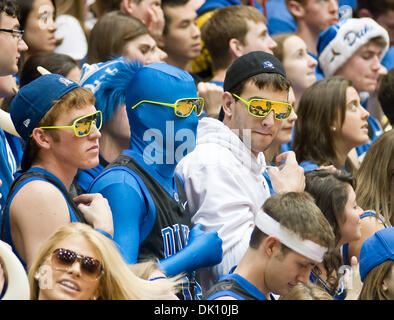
(10, 8)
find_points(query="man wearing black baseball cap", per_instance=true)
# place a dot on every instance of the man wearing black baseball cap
(59, 124)
(223, 176)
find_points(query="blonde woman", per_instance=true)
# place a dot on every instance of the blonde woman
(100, 273)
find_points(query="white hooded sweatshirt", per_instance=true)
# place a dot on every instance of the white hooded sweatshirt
(225, 188)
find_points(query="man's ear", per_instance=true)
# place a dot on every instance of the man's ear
(296, 9)
(235, 48)
(228, 104)
(41, 138)
(271, 245)
(127, 6)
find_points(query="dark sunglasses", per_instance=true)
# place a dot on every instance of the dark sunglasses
(63, 259)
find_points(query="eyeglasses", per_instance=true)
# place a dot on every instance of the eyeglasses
(182, 107)
(83, 125)
(64, 259)
(262, 107)
(16, 34)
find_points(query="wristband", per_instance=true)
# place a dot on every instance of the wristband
(105, 233)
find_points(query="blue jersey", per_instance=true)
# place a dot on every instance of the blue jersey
(7, 226)
(150, 223)
(132, 207)
(8, 167)
(235, 286)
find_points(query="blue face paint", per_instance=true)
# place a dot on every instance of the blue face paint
(156, 132)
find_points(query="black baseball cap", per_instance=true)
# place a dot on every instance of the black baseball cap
(249, 65)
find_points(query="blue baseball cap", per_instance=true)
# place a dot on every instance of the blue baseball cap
(34, 100)
(375, 250)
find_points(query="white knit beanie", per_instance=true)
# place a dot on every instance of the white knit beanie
(338, 43)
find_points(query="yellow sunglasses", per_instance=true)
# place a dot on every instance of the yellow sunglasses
(262, 107)
(182, 107)
(83, 125)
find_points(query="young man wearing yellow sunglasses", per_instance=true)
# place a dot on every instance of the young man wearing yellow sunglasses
(59, 124)
(223, 176)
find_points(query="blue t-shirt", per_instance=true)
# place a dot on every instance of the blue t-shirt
(7, 225)
(8, 167)
(16, 146)
(243, 283)
(281, 21)
(308, 165)
(279, 18)
(218, 83)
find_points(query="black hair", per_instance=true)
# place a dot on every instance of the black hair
(10, 8)
(171, 4)
(54, 62)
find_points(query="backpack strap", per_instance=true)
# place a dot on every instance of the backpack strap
(27, 175)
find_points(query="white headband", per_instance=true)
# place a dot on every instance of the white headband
(306, 248)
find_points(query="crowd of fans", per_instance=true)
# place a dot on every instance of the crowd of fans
(191, 149)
